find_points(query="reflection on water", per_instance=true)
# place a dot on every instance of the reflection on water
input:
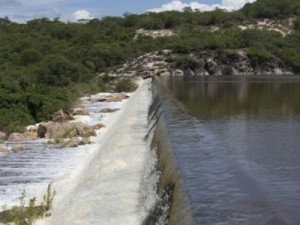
(216, 97)
(240, 154)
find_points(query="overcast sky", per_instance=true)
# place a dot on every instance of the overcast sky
(71, 10)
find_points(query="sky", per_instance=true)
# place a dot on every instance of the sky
(73, 10)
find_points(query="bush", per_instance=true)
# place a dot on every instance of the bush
(27, 214)
(186, 62)
(125, 85)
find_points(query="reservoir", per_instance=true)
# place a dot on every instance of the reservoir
(236, 144)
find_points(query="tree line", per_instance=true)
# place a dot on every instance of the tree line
(47, 64)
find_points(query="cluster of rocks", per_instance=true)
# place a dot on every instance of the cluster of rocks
(231, 62)
(15, 149)
(62, 129)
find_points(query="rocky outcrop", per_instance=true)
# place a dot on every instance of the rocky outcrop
(227, 62)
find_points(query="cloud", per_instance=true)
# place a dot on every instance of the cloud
(81, 14)
(9, 3)
(178, 5)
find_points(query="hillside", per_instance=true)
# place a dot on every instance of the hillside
(46, 64)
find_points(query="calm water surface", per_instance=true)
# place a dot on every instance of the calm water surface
(238, 147)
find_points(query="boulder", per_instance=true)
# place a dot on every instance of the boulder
(30, 135)
(178, 73)
(72, 143)
(211, 67)
(68, 130)
(201, 72)
(18, 148)
(14, 137)
(81, 112)
(3, 149)
(189, 72)
(83, 130)
(61, 116)
(41, 131)
(108, 110)
(98, 126)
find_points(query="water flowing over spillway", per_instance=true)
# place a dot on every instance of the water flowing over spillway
(109, 189)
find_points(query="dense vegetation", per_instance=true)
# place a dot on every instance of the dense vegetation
(46, 64)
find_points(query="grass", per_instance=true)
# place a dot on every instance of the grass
(26, 214)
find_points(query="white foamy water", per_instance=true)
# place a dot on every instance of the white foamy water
(33, 169)
(109, 189)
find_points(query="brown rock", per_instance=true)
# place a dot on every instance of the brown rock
(18, 148)
(14, 137)
(98, 126)
(113, 98)
(3, 149)
(81, 112)
(29, 136)
(72, 143)
(41, 131)
(108, 110)
(61, 116)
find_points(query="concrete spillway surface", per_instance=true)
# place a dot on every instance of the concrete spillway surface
(109, 189)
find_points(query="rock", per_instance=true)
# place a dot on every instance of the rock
(72, 143)
(212, 67)
(113, 98)
(189, 72)
(61, 116)
(201, 72)
(82, 112)
(3, 149)
(14, 137)
(98, 126)
(68, 130)
(18, 148)
(41, 131)
(108, 110)
(178, 73)
(83, 130)
(30, 135)
(2, 135)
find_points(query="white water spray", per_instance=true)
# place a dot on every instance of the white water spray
(108, 191)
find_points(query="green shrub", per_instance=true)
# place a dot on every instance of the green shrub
(27, 214)
(125, 85)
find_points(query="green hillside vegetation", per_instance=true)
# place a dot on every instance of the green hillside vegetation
(46, 64)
